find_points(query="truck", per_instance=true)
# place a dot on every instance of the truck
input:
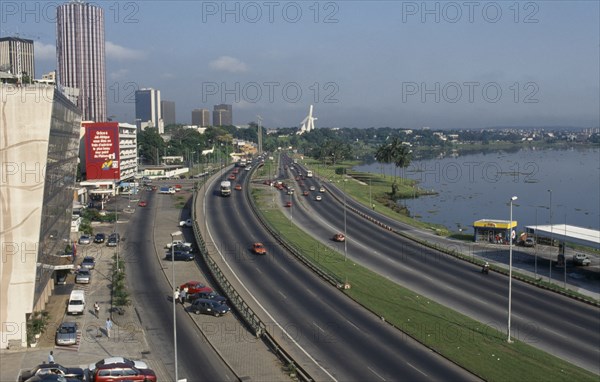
(76, 302)
(166, 190)
(225, 188)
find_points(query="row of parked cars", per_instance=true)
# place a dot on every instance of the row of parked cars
(111, 241)
(204, 300)
(108, 369)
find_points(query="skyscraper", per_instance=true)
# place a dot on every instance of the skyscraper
(223, 115)
(16, 56)
(80, 52)
(201, 117)
(168, 112)
(147, 108)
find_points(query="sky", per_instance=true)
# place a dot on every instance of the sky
(403, 64)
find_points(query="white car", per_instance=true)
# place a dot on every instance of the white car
(318, 198)
(186, 223)
(111, 360)
(312, 188)
(322, 189)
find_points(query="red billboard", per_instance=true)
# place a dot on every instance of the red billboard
(102, 150)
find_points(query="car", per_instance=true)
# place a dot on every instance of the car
(529, 242)
(88, 262)
(183, 247)
(238, 187)
(113, 360)
(53, 368)
(180, 256)
(84, 276)
(205, 306)
(306, 193)
(142, 203)
(207, 296)
(339, 237)
(312, 188)
(322, 189)
(100, 238)
(195, 287)
(248, 168)
(178, 243)
(122, 372)
(85, 239)
(318, 198)
(113, 239)
(581, 259)
(288, 204)
(186, 223)
(66, 334)
(231, 177)
(51, 378)
(290, 191)
(259, 249)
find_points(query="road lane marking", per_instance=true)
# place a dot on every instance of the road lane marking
(409, 364)
(374, 372)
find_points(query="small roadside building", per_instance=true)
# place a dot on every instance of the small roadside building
(494, 231)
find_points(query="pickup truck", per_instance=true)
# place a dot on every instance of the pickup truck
(178, 243)
(581, 259)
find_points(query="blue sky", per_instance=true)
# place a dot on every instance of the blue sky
(361, 63)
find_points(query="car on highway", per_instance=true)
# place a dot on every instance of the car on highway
(180, 255)
(85, 239)
(259, 249)
(318, 198)
(142, 203)
(100, 238)
(238, 187)
(88, 262)
(195, 287)
(114, 360)
(53, 368)
(204, 306)
(122, 372)
(581, 259)
(231, 177)
(339, 237)
(306, 193)
(66, 334)
(288, 204)
(84, 276)
(312, 188)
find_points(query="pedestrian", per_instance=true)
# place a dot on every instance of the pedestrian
(176, 295)
(97, 309)
(182, 296)
(51, 357)
(109, 326)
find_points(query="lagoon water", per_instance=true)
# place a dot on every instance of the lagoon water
(479, 186)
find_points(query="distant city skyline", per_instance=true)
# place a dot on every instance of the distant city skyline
(397, 64)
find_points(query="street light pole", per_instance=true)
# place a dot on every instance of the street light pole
(176, 233)
(510, 245)
(551, 238)
(345, 233)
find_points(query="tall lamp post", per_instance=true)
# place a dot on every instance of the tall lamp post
(510, 245)
(176, 233)
(345, 234)
(551, 238)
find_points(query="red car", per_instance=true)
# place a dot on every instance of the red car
(142, 203)
(305, 193)
(288, 204)
(259, 249)
(195, 287)
(122, 372)
(238, 187)
(232, 177)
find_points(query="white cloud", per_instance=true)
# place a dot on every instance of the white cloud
(44, 51)
(118, 52)
(228, 64)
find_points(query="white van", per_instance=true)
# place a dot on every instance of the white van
(76, 302)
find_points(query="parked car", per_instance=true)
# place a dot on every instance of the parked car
(203, 306)
(53, 368)
(66, 334)
(529, 242)
(186, 223)
(100, 238)
(122, 372)
(581, 259)
(88, 262)
(114, 360)
(51, 378)
(113, 239)
(195, 287)
(180, 255)
(207, 296)
(84, 276)
(178, 243)
(259, 249)
(85, 239)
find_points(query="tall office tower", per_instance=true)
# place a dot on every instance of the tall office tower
(201, 117)
(16, 56)
(80, 53)
(168, 112)
(223, 115)
(147, 108)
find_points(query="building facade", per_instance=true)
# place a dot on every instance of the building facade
(168, 112)
(39, 156)
(201, 117)
(80, 53)
(16, 56)
(147, 108)
(223, 115)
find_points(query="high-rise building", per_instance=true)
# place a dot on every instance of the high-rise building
(201, 117)
(168, 112)
(223, 115)
(147, 108)
(80, 53)
(16, 56)
(41, 147)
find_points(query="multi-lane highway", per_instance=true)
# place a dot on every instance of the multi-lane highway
(344, 340)
(551, 322)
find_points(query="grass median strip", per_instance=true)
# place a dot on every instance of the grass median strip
(479, 347)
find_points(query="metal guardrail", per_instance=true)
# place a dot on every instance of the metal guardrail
(237, 302)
